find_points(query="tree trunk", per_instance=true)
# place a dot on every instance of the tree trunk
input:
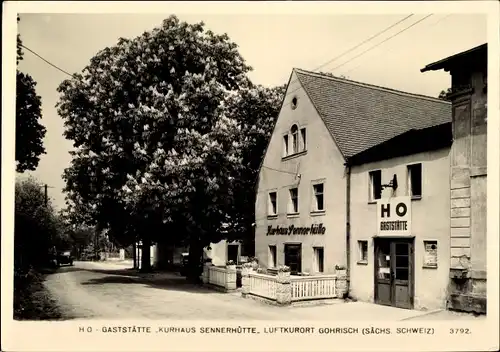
(194, 264)
(146, 255)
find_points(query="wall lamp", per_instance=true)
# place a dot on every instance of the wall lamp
(392, 184)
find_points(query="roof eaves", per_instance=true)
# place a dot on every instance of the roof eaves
(405, 134)
(443, 63)
(274, 128)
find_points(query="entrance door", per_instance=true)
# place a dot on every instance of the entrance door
(394, 272)
(293, 258)
(232, 253)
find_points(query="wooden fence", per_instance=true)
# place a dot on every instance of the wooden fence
(313, 287)
(262, 285)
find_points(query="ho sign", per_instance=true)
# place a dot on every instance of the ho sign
(394, 216)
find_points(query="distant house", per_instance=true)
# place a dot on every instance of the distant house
(220, 253)
(355, 176)
(468, 177)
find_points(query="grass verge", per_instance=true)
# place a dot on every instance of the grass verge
(32, 301)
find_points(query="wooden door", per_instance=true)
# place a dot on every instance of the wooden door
(394, 272)
(293, 257)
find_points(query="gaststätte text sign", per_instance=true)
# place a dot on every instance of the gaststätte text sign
(394, 216)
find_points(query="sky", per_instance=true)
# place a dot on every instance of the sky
(271, 44)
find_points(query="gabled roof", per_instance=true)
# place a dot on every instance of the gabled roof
(468, 55)
(360, 116)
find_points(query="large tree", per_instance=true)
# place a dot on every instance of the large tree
(256, 109)
(29, 131)
(37, 227)
(155, 155)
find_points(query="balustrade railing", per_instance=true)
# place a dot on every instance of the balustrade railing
(217, 276)
(313, 287)
(263, 285)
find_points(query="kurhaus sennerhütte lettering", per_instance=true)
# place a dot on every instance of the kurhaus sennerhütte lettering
(314, 229)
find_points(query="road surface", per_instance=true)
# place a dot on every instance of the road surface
(107, 290)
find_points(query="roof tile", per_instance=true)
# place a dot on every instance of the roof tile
(360, 116)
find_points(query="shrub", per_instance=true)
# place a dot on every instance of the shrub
(284, 269)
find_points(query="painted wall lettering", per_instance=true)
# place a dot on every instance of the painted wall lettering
(292, 230)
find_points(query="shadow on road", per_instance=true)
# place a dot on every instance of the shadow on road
(166, 281)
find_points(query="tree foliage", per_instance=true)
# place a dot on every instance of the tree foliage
(29, 131)
(256, 110)
(153, 144)
(37, 227)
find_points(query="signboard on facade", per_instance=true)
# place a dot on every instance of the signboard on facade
(430, 258)
(314, 229)
(394, 216)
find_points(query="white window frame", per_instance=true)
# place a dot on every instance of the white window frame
(409, 169)
(272, 258)
(316, 261)
(361, 259)
(303, 138)
(294, 132)
(270, 211)
(291, 210)
(315, 208)
(286, 145)
(371, 187)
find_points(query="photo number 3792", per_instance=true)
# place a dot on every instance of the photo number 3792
(460, 331)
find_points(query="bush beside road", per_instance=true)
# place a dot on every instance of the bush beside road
(32, 300)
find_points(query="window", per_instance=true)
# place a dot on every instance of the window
(303, 137)
(294, 200)
(295, 139)
(273, 206)
(285, 145)
(272, 257)
(319, 198)
(375, 185)
(318, 259)
(415, 180)
(363, 251)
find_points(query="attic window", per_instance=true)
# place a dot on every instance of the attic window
(294, 103)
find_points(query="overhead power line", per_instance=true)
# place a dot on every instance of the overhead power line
(431, 25)
(382, 42)
(363, 42)
(47, 61)
(354, 48)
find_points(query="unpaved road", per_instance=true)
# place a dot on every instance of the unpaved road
(108, 291)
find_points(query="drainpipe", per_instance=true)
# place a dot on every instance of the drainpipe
(348, 227)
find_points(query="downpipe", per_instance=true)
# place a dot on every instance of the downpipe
(348, 230)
